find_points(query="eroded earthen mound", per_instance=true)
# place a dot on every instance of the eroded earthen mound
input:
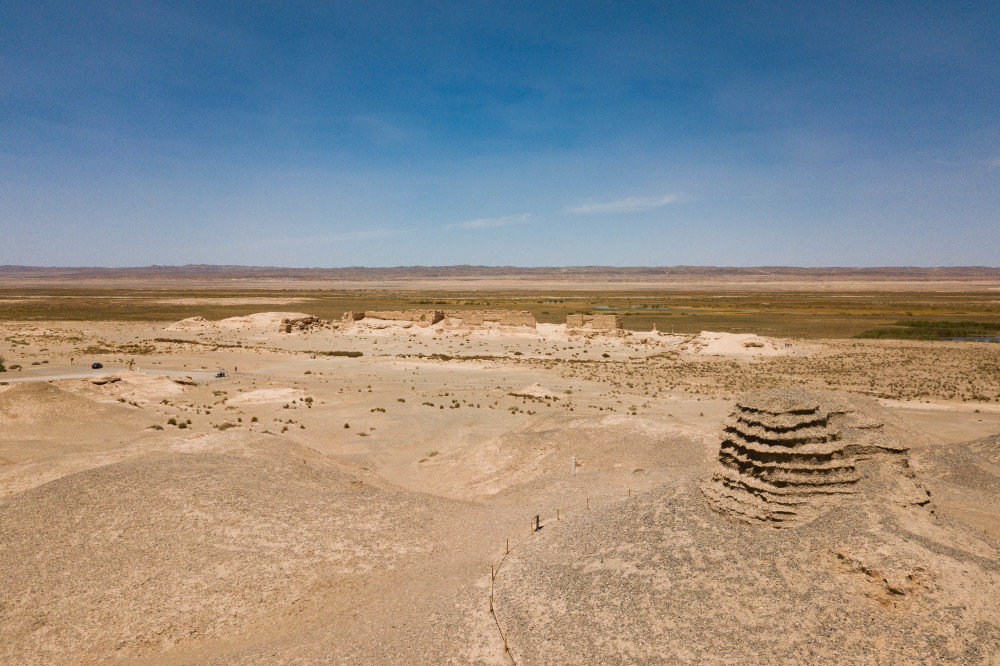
(30, 404)
(207, 540)
(787, 453)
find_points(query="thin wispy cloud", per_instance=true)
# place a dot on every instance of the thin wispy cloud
(489, 222)
(626, 205)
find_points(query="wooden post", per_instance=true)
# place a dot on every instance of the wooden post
(588, 504)
(630, 492)
(493, 574)
(557, 514)
(508, 546)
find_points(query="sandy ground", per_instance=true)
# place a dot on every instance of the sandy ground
(309, 507)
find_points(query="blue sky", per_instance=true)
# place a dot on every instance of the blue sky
(560, 133)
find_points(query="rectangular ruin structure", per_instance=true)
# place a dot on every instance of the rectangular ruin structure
(501, 317)
(601, 322)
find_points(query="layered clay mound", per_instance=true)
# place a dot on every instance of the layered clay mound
(788, 453)
(215, 538)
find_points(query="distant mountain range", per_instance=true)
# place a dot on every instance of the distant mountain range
(630, 273)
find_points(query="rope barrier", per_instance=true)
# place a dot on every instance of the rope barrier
(495, 570)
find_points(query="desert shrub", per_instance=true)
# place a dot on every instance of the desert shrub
(3, 368)
(349, 354)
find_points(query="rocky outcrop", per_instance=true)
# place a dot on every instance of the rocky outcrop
(787, 454)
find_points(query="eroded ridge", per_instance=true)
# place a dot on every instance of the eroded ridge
(787, 453)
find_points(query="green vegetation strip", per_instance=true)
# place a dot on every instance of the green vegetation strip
(934, 330)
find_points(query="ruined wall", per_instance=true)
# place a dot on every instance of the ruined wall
(461, 317)
(601, 322)
(502, 317)
(301, 324)
(419, 316)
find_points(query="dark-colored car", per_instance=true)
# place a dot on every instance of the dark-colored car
(97, 366)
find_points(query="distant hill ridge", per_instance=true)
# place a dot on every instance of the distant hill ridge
(467, 271)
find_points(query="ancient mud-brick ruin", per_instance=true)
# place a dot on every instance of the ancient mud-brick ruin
(450, 317)
(600, 322)
(415, 316)
(788, 453)
(301, 324)
(501, 317)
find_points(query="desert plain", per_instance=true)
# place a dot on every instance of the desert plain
(626, 467)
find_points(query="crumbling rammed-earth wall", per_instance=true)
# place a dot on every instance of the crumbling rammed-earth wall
(419, 316)
(501, 317)
(462, 317)
(301, 324)
(601, 322)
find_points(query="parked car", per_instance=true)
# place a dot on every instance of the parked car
(220, 374)
(96, 366)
